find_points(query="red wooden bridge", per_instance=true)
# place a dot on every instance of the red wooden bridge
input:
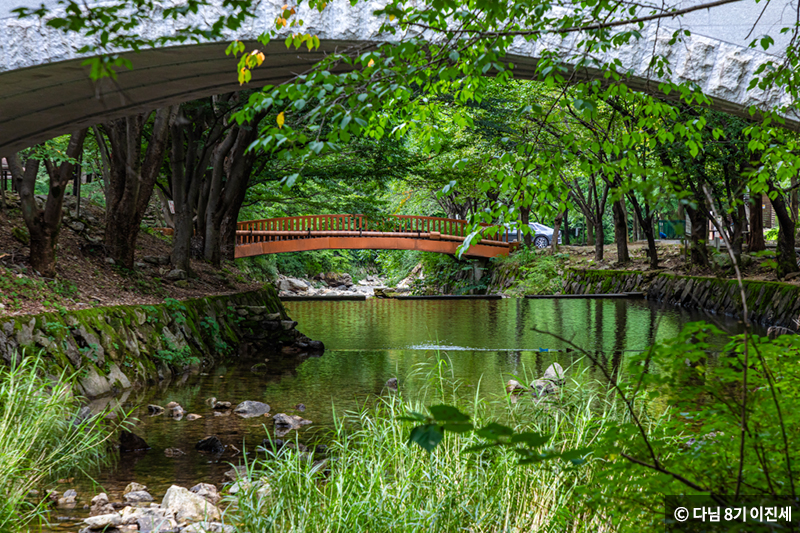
(355, 232)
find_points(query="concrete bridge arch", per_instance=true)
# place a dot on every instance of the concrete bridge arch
(45, 91)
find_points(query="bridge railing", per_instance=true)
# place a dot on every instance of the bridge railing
(398, 226)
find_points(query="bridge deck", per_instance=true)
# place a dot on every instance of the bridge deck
(355, 232)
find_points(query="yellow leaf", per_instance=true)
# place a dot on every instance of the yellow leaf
(371, 62)
(285, 7)
(281, 119)
(391, 17)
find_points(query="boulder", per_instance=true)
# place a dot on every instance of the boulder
(67, 501)
(149, 519)
(129, 442)
(210, 444)
(391, 384)
(138, 496)
(133, 487)
(292, 285)
(549, 383)
(176, 274)
(103, 521)
(514, 387)
(237, 472)
(316, 346)
(207, 491)
(175, 410)
(174, 452)
(248, 409)
(162, 260)
(100, 505)
(188, 506)
(285, 423)
(192, 416)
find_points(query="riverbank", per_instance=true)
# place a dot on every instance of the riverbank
(87, 278)
(769, 303)
(111, 349)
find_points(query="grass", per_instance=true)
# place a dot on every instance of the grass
(373, 481)
(41, 439)
(538, 271)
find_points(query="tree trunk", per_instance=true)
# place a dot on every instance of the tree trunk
(645, 217)
(44, 224)
(222, 213)
(599, 240)
(621, 230)
(755, 238)
(525, 218)
(132, 178)
(589, 233)
(699, 235)
(786, 255)
(556, 229)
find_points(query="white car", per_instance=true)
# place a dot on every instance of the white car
(542, 235)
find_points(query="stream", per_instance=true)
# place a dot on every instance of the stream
(367, 342)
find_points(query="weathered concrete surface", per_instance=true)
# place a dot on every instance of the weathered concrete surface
(44, 90)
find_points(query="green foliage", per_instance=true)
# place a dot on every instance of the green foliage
(723, 427)
(397, 264)
(210, 327)
(539, 272)
(174, 355)
(41, 439)
(176, 310)
(21, 235)
(771, 234)
(374, 482)
(443, 274)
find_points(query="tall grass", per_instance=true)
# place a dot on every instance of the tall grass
(40, 438)
(373, 481)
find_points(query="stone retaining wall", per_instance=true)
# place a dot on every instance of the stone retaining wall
(115, 348)
(769, 303)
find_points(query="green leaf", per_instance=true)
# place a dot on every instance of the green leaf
(530, 439)
(427, 436)
(494, 431)
(447, 413)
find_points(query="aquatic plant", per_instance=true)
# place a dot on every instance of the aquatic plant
(372, 480)
(42, 437)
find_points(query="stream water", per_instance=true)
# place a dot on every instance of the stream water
(367, 342)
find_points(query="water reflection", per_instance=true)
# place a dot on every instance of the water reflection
(367, 343)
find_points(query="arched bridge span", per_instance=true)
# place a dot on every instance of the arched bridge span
(45, 90)
(355, 232)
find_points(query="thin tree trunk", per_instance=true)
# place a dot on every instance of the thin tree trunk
(755, 238)
(786, 255)
(699, 235)
(645, 218)
(621, 230)
(525, 218)
(556, 229)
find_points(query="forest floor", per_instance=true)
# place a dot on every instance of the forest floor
(672, 257)
(87, 278)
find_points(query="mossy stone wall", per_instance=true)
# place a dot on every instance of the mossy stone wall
(769, 303)
(114, 348)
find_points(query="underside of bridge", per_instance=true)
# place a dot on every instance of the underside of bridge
(367, 243)
(41, 101)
